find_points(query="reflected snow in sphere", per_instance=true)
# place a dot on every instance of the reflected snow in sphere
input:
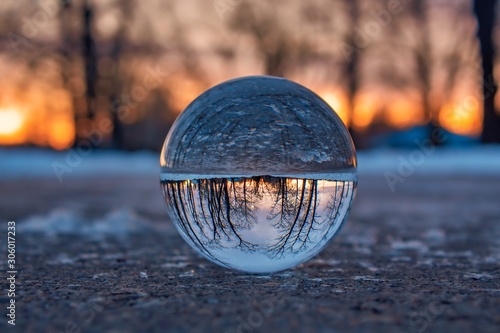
(258, 174)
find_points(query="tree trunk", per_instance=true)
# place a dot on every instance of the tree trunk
(67, 59)
(352, 67)
(90, 58)
(485, 12)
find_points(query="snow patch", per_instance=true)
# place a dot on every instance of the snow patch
(187, 274)
(325, 262)
(478, 276)
(175, 265)
(368, 266)
(117, 223)
(97, 276)
(62, 259)
(435, 236)
(367, 278)
(32, 163)
(414, 245)
(475, 160)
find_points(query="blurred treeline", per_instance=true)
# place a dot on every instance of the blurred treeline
(121, 71)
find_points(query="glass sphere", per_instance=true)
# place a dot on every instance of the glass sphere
(258, 174)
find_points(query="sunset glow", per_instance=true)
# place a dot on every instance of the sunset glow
(339, 104)
(16, 128)
(11, 126)
(462, 118)
(365, 108)
(58, 129)
(61, 134)
(184, 90)
(148, 68)
(402, 114)
(11, 121)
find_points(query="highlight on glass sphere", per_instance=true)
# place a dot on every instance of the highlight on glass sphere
(258, 174)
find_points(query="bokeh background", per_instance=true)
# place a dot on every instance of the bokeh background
(116, 74)
(90, 88)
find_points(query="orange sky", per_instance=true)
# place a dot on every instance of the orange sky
(35, 107)
(35, 122)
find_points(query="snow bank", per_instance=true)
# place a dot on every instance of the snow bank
(117, 223)
(23, 163)
(472, 160)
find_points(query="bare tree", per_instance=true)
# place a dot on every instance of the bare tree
(485, 12)
(218, 213)
(118, 44)
(67, 58)
(352, 60)
(89, 50)
(89, 56)
(271, 41)
(423, 55)
(429, 62)
(279, 49)
(67, 54)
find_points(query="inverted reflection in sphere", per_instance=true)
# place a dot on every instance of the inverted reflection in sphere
(258, 174)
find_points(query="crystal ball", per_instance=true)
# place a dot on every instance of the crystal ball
(258, 174)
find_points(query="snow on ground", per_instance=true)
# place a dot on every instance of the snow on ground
(470, 160)
(27, 163)
(23, 163)
(31, 163)
(117, 223)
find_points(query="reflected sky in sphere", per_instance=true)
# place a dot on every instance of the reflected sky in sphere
(258, 224)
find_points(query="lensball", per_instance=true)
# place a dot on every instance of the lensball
(258, 174)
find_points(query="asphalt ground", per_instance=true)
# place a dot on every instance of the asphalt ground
(424, 258)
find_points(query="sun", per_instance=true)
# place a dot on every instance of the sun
(11, 122)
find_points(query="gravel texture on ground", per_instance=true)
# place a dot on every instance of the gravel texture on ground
(424, 258)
